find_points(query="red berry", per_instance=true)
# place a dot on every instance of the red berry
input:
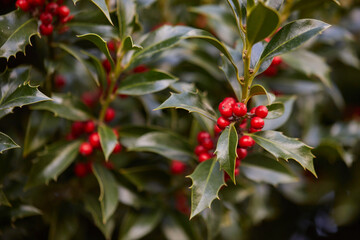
(35, 3)
(241, 153)
(252, 111)
(276, 61)
(65, 20)
(23, 5)
(223, 122)
(89, 166)
(111, 45)
(246, 141)
(46, 30)
(116, 133)
(117, 148)
(217, 130)
(257, 122)
(237, 163)
(254, 130)
(107, 66)
(80, 170)
(202, 136)
(52, 8)
(140, 69)
(109, 114)
(85, 149)
(226, 177)
(271, 71)
(229, 100)
(60, 81)
(237, 172)
(226, 110)
(77, 128)
(109, 165)
(177, 167)
(46, 18)
(200, 149)
(94, 140)
(240, 109)
(261, 111)
(208, 143)
(89, 126)
(63, 11)
(204, 156)
(267, 39)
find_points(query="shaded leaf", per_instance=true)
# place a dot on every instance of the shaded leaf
(126, 11)
(166, 144)
(52, 162)
(260, 90)
(230, 74)
(261, 168)
(226, 150)
(129, 45)
(276, 4)
(65, 106)
(189, 101)
(3, 199)
(136, 226)
(262, 21)
(145, 83)
(16, 31)
(292, 35)
(101, 4)
(177, 226)
(276, 110)
(282, 147)
(288, 103)
(207, 180)
(108, 140)
(100, 43)
(6, 143)
(23, 211)
(108, 191)
(63, 225)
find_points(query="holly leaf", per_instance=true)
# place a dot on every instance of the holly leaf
(65, 106)
(300, 60)
(145, 83)
(107, 140)
(279, 112)
(16, 90)
(282, 147)
(262, 21)
(52, 162)
(207, 180)
(3, 199)
(262, 168)
(191, 102)
(226, 150)
(101, 4)
(165, 144)
(129, 45)
(23, 211)
(276, 110)
(230, 74)
(239, 10)
(16, 31)
(100, 43)
(276, 4)
(108, 191)
(260, 90)
(64, 224)
(176, 226)
(135, 225)
(6, 143)
(126, 11)
(291, 36)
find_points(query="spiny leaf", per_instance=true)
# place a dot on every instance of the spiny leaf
(189, 101)
(226, 150)
(101, 4)
(282, 147)
(6, 143)
(207, 180)
(129, 45)
(16, 31)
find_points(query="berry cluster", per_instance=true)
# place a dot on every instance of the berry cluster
(205, 149)
(49, 13)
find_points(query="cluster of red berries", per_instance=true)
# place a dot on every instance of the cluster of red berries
(81, 169)
(50, 14)
(205, 148)
(273, 69)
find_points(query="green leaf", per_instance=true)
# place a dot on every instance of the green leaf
(276, 110)
(126, 11)
(16, 91)
(207, 180)
(108, 191)
(16, 31)
(64, 224)
(260, 90)
(24, 211)
(282, 147)
(6, 143)
(137, 225)
(95, 62)
(239, 9)
(100, 43)
(176, 226)
(107, 140)
(262, 168)
(52, 162)
(129, 45)
(93, 206)
(262, 21)
(101, 4)
(163, 143)
(292, 35)
(276, 4)
(3, 200)
(145, 83)
(40, 129)
(65, 106)
(230, 74)
(81, 28)
(309, 64)
(191, 102)
(226, 150)
(81, 58)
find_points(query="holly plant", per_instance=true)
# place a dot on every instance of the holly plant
(93, 145)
